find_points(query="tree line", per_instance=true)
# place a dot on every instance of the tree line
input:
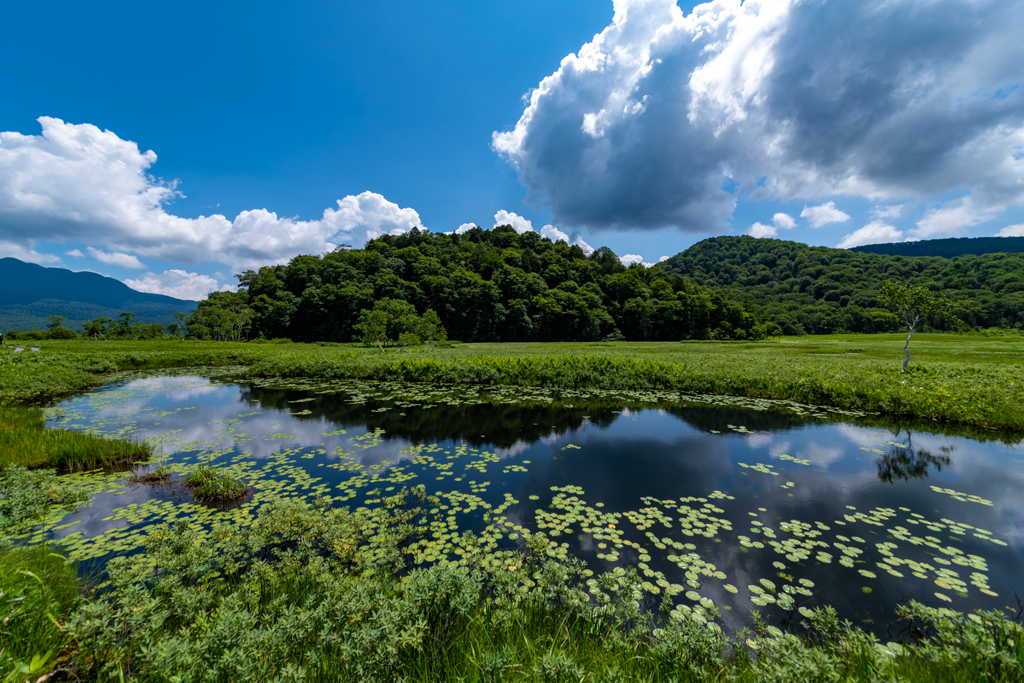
(498, 285)
(123, 327)
(483, 285)
(819, 290)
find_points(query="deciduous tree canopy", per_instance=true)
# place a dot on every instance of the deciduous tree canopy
(819, 290)
(484, 285)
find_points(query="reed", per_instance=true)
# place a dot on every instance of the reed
(25, 441)
(969, 379)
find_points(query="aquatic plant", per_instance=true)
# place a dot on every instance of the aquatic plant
(507, 601)
(316, 594)
(946, 392)
(975, 382)
(28, 497)
(160, 475)
(210, 486)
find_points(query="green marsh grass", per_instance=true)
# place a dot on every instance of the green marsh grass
(952, 391)
(545, 636)
(38, 589)
(210, 486)
(24, 440)
(160, 475)
(962, 379)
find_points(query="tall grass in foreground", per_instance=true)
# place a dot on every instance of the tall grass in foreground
(546, 643)
(38, 589)
(25, 441)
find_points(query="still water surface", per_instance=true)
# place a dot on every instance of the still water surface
(710, 500)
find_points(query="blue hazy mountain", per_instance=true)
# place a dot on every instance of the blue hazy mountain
(953, 246)
(29, 294)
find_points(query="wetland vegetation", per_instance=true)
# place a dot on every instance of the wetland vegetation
(962, 379)
(502, 532)
(25, 441)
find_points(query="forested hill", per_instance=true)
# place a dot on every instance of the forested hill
(822, 290)
(954, 246)
(484, 285)
(29, 294)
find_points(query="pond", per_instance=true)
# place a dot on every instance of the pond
(746, 504)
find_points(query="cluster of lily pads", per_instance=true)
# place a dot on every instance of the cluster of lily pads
(659, 538)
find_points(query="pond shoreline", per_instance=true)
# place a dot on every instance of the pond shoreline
(987, 396)
(566, 596)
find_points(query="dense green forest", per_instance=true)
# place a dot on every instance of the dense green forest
(949, 248)
(497, 285)
(483, 285)
(818, 290)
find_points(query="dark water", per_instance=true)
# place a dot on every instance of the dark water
(685, 486)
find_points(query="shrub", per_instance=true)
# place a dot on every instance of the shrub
(62, 333)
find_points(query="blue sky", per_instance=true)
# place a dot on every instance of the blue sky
(286, 128)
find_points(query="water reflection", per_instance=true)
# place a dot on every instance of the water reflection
(843, 480)
(903, 461)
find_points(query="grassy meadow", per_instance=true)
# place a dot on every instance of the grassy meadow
(968, 379)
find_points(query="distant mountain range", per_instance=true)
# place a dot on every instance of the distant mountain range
(29, 294)
(955, 246)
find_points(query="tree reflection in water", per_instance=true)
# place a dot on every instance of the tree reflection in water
(906, 462)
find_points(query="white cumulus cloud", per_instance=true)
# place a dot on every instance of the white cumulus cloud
(951, 219)
(116, 258)
(760, 230)
(77, 182)
(24, 251)
(649, 123)
(779, 220)
(663, 259)
(554, 234)
(823, 214)
(784, 220)
(875, 232)
(74, 253)
(1012, 231)
(518, 223)
(630, 259)
(177, 283)
(587, 249)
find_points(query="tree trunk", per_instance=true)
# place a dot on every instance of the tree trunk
(906, 349)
